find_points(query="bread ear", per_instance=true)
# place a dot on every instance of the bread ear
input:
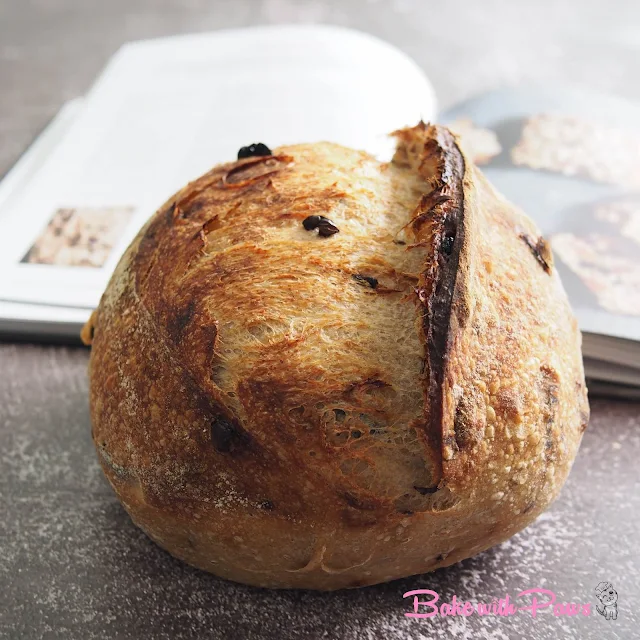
(439, 222)
(502, 348)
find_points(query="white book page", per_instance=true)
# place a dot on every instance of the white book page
(164, 112)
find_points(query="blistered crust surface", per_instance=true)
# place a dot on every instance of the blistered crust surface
(266, 413)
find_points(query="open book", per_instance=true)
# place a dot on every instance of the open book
(164, 111)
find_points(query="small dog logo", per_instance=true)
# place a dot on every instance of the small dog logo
(608, 597)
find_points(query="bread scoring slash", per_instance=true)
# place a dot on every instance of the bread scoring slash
(288, 407)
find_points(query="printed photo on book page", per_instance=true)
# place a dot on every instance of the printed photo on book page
(572, 161)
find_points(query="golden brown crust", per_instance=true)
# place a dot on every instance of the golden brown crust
(292, 410)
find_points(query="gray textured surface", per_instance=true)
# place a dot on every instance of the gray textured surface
(71, 563)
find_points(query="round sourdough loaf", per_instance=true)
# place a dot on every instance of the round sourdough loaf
(312, 369)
